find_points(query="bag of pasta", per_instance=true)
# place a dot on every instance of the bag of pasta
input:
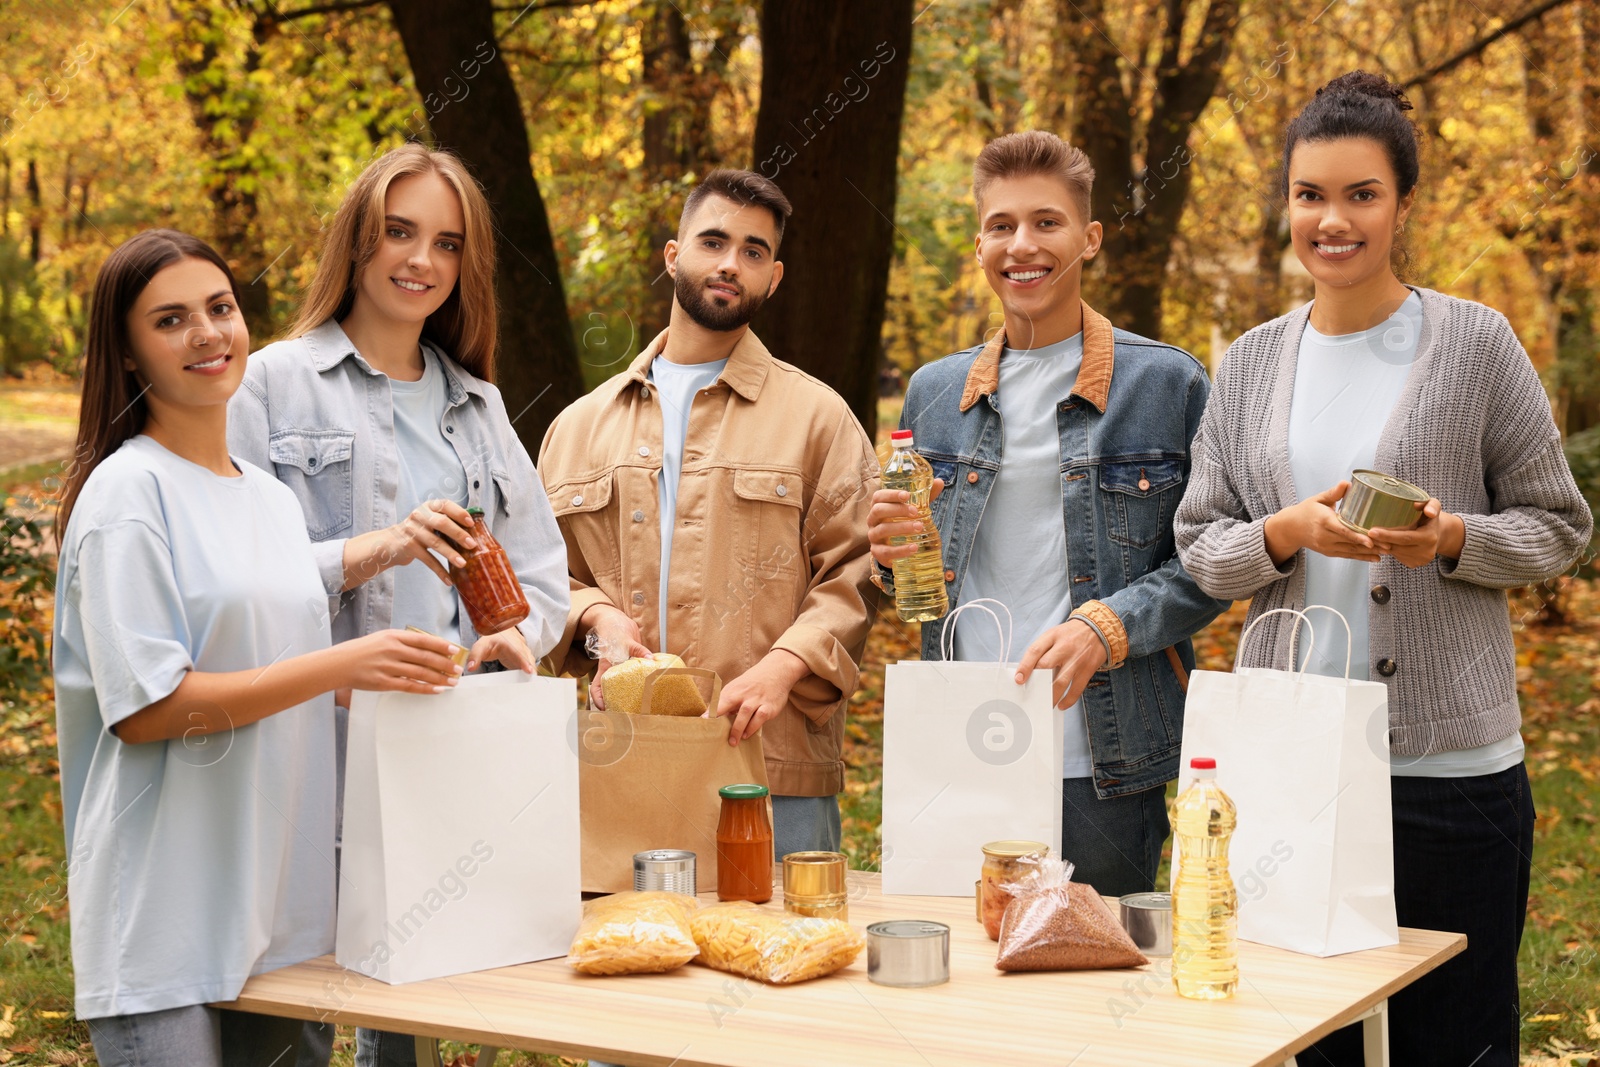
(1056, 924)
(773, 946)
(634, 933)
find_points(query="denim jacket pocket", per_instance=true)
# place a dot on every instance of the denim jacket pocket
(502, 488)
(771, 504)
(1141, 493)
(316, 466)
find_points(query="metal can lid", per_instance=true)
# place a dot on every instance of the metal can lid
(664, 860)
(911, 929)
(743, 791)
(1013, 849)
(1385, 483)
(1148, 901)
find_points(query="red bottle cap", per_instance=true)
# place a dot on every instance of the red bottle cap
(1203, 763)
(900, 435)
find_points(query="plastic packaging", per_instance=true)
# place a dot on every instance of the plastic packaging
(919, 592)
(635, 933)
(624, 685)
(1205, 907)
(1055, 924)
(773, 946)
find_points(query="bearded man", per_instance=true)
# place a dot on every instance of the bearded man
(714, 504)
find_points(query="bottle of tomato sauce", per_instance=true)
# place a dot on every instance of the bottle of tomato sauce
(744, 845)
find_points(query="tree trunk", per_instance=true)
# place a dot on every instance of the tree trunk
(667, 107)
(1139, 199)
(454, 60)
(35, 212)
(833, 80)
(226, 108)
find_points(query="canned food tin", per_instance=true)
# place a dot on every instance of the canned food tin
(664, 870)
(1377, 501)
(814, 885)
(908, 953)
(460, 657)
(1148, 919)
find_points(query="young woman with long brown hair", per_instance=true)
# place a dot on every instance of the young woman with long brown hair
(378, 413)
(194, 676)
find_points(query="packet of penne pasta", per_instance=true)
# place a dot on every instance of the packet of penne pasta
(634, 933)
(770, 946)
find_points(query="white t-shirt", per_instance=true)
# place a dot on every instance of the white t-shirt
(1345, 388)
(429, 470)
(1019, 554)
(677, 383)
(199, 861)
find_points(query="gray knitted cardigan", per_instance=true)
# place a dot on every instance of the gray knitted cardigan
(1473, 428)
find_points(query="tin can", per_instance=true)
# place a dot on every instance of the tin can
(1377, 501)
(814, 886)
(908, 953)
(664, 870)
(1148, 919)
(459, 659)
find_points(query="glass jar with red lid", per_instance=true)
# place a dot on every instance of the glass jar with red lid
(487, 584)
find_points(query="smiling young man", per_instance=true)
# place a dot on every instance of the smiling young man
(1065, 446)
(713, 501)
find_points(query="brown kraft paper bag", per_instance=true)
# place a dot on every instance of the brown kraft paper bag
(650, 782)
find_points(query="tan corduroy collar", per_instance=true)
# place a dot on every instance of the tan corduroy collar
(1094, 378)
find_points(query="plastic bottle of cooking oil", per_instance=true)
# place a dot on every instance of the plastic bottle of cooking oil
(1205, 908)
(919, 593)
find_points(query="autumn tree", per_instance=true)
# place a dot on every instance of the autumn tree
(833, 80)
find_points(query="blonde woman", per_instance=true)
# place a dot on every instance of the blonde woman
(378, 413)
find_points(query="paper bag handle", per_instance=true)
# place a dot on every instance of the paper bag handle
(1294, 636)
(947, 637)
(682, 672)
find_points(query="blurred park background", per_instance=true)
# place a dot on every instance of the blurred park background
(243, 121)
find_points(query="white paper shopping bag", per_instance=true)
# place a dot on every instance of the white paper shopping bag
(969, 757)
(460, 828)
(1305, 759)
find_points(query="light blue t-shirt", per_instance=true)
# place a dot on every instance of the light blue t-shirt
(429, 470)
(1019, 556)
(199, 861)
(1345, 388)
(677, 383)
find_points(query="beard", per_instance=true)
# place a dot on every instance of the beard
(708, 311)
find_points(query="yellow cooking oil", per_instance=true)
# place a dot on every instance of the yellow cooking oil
(1205, 907)
(919, 588)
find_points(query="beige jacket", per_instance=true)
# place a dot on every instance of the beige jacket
(770, 550)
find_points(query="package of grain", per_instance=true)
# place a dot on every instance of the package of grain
(624, 687)
(1056, 924)
(634, 933)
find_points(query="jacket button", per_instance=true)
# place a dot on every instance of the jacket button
(1387, 667)
(782, 490)
(577, 501)
(311, 463)
(638, 598)
(638, 516)
(972, 477)
(644, 392)
(1380, 594)
(949, 576)
(474, 483)
(449, 429)
(644, 450)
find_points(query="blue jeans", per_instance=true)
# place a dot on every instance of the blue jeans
(1115, 844)
(1463, 854)
(195, 1036)
(805, 824)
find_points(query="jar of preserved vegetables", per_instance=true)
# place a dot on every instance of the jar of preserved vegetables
(487, 584)
(1004, 862)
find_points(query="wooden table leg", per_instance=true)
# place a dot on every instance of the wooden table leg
(428, 1053)
(1375, 1035)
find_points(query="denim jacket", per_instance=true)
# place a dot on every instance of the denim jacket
(316, 414)
(1124, 464)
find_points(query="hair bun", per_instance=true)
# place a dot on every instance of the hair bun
(1363, 83)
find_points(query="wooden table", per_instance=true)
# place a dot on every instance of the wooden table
(696, 1016)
